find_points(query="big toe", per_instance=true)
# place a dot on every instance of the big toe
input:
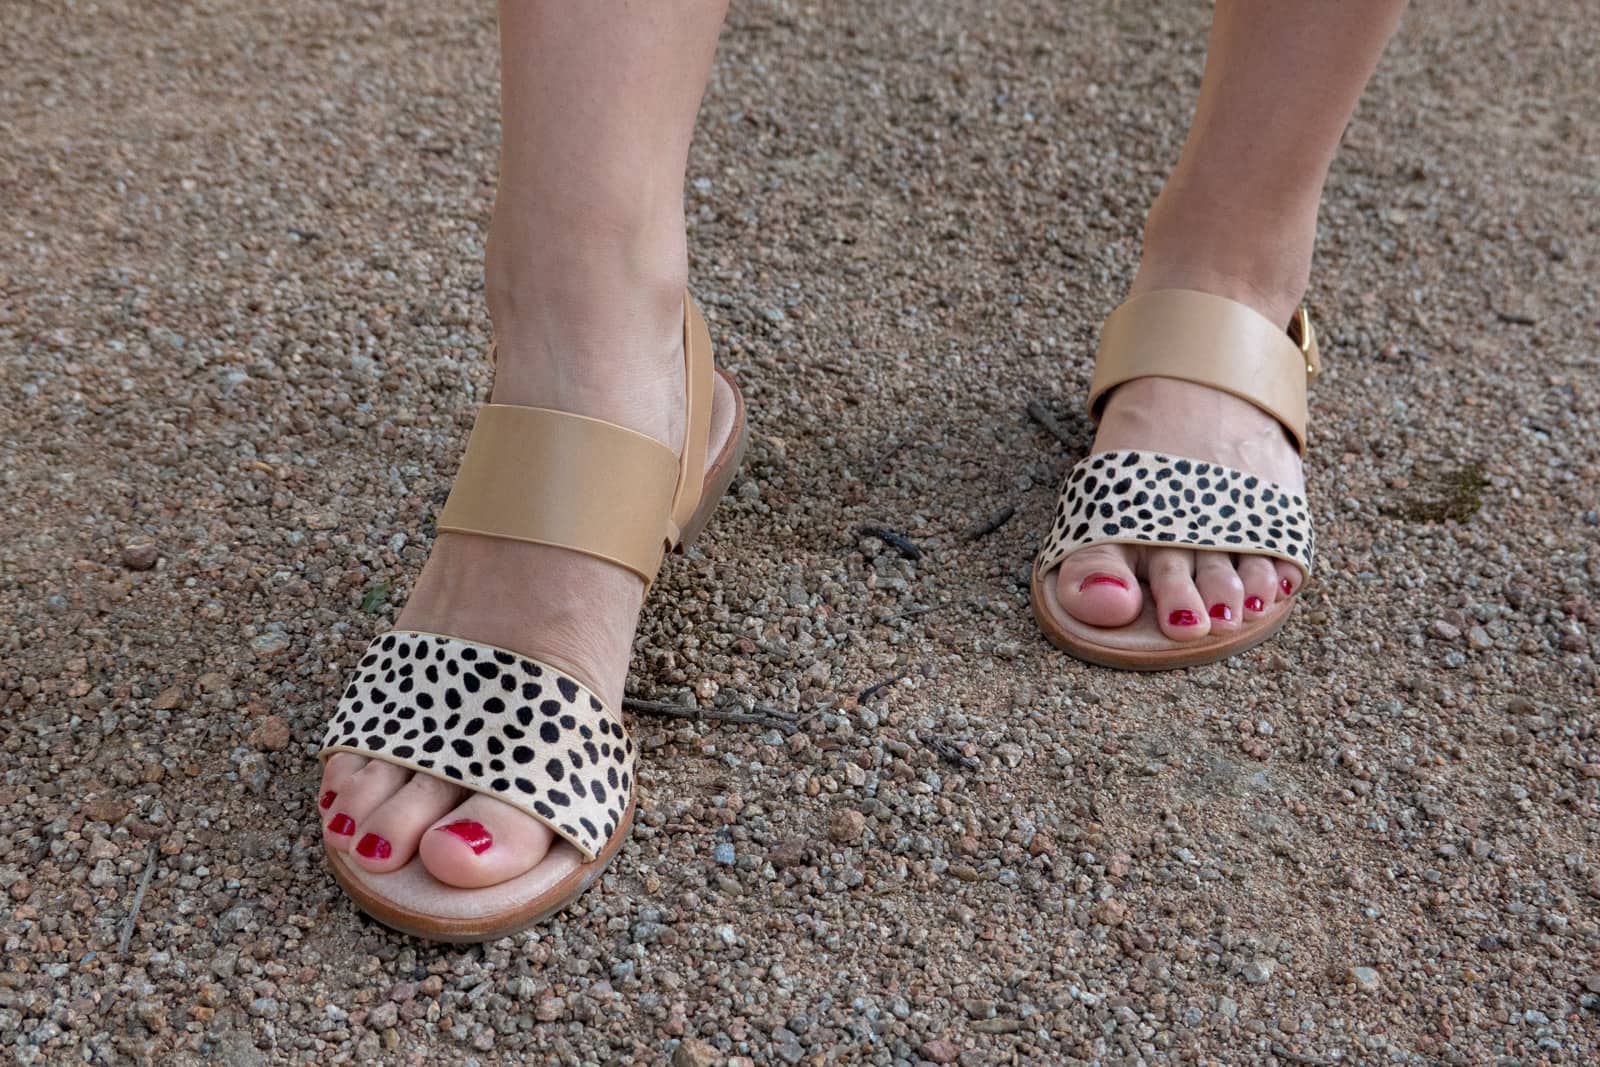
(387, 838)
(1180, 609)
(1097, 585)
(483, 841)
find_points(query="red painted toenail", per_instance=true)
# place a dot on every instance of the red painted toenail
(1284, 584)
(1183, 617)
(373, 847)
(326, 800)
(341, 824)
(473, 833)
(1102, 579)
(1222, 611)
(1254, 603)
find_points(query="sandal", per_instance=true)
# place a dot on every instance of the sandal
(501, 723)
(1133, 497)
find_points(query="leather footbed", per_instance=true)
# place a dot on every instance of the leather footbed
(415, 902)
(1140, 645)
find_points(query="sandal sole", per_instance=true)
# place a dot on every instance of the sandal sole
(414, 902)
(1140, 645)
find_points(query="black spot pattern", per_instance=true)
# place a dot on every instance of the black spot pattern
(562, 769)
(1149, 498)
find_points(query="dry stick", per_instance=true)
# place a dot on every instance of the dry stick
(875, 687)
(988, 526)
(666, 710)
(911, 613)
(1041, 414)
(138, 901)
(896, 541)
(1290, 1054)
(950, 754)
(882, 466)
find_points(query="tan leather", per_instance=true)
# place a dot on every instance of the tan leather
(698, 388)
(1212, 341)
(555, 478)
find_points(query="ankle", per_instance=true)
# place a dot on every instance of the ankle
(1255, 251)
(590, 322)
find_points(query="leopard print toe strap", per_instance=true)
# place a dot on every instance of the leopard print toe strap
(1149, 498)
(495, 722)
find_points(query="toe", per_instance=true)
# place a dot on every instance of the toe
(1288, 578)
(387, 838)
(339, 769)
(483, 841)
(1260, 586)
(1180, 610)
(361, 793)
(1097, 585)
(1220, 588)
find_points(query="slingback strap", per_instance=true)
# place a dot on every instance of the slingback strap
(496, 722)
(555, 478)
(1212, 341)
(1169, 501)
(698, 386)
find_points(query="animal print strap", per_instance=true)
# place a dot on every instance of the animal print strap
(495, 722)
(1148, 498)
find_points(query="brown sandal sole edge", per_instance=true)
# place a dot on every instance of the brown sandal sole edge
(1098, 645)
(429, 927)
(398, 916)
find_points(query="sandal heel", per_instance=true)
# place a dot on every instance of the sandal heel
(717, 480)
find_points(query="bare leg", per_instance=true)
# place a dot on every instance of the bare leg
(1237, 218)
(585, 275)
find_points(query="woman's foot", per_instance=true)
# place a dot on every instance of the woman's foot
(1198, 593)
(618, 361)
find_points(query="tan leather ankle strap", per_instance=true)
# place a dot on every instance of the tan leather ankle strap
(555, 478)
(1212, 341)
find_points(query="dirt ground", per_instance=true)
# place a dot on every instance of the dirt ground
(241, 340)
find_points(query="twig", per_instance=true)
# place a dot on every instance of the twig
(663, 709)
(876, 687)
(1515, 318)
(911, 613)
(1291, 1055)
(895, 541)
(948, 752)
(985, 527)
(881, 468)
(138, 900)
(1041, 414)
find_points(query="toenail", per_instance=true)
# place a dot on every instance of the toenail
(1284, 584)
(326, 800)
(341, 824)
(1102, 579)
(1254, 603)
(473, 833)
(373, 847)
(1183, 617)
(1222, 611)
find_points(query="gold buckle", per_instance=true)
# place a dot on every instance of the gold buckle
(1301, 332)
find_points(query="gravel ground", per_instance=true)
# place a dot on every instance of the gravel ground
(241, 340)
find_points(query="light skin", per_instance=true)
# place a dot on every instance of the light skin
(586, 269)
(1237, 218)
